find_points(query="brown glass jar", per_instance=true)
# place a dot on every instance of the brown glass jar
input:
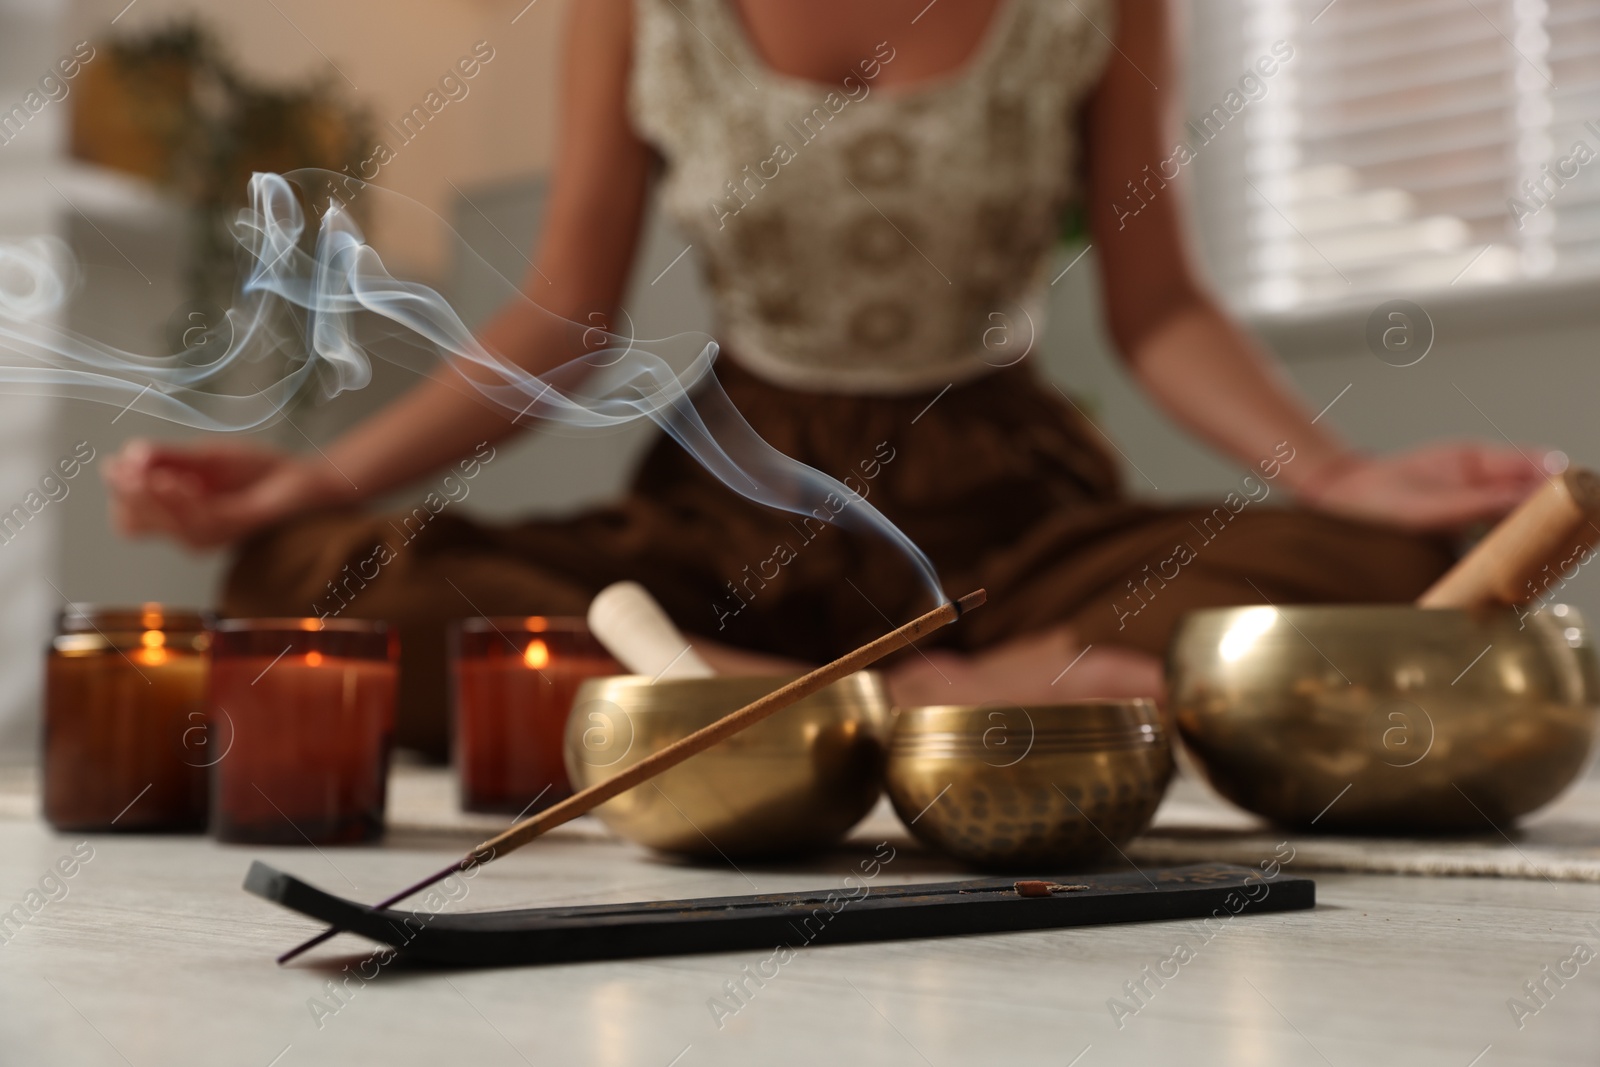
(514, 681)
(311, 704)
(126, 742)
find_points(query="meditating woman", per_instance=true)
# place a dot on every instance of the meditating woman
(867, 186)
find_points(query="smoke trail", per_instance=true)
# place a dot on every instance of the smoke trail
(327, 312)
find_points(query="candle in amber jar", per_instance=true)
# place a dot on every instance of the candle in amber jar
(126, 743)
(515, 679)
(311, 706)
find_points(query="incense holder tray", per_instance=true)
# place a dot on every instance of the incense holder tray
(796, 920)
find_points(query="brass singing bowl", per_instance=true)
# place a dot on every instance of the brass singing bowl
(1385, 719)
(792, 783)
(1044, 787)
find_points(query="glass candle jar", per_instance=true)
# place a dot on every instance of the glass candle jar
(125, 736)
(514, 682)
(310, 704)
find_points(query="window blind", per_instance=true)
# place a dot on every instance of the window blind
(1408, 146)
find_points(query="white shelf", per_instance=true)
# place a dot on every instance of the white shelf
(34, 197)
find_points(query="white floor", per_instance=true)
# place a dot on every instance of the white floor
(156, 957)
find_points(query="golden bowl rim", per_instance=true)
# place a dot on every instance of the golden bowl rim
(682, 696)
(1123, 721)
(775, 681)
(1468, 614)
(1060, 705)
(1060, 719)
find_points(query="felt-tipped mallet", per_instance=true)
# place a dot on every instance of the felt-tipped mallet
(587, 800)
(637, 631)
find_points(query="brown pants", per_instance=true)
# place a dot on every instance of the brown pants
(1002, 484)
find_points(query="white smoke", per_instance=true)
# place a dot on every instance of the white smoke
(313, 319)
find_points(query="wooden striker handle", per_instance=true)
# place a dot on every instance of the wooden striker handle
(1557, 522)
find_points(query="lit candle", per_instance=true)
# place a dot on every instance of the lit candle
(125, 739)
(515, 679)
(310, 707)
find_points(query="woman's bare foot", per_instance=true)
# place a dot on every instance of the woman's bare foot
(1044, 668)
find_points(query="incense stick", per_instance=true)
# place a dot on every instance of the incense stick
(585, 801)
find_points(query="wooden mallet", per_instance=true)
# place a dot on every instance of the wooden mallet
(1556, 524)
(583, 802)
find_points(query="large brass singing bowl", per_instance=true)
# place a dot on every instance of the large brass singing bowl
(795, 782)
(1385, 719)
(1047, 787)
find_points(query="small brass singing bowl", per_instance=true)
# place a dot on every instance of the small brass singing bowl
(792, 783)
(1385, 719)
(1043, 787)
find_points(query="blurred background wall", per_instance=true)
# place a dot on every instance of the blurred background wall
(1511, 356)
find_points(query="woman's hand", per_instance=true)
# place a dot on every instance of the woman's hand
(214, 494)
(1438, 488)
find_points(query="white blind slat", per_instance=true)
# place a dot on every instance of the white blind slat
(1409, 145)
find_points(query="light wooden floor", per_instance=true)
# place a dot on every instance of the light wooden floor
(156, 957)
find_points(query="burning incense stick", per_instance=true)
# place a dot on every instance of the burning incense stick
(583, 802)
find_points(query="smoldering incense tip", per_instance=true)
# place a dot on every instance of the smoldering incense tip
(971, 600)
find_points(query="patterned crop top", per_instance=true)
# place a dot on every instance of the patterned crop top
(867, 240)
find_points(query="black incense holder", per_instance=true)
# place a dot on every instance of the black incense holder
(726, 924)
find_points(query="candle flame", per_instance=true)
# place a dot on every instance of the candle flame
(313, 659)
(154, 651)
(537, 656)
